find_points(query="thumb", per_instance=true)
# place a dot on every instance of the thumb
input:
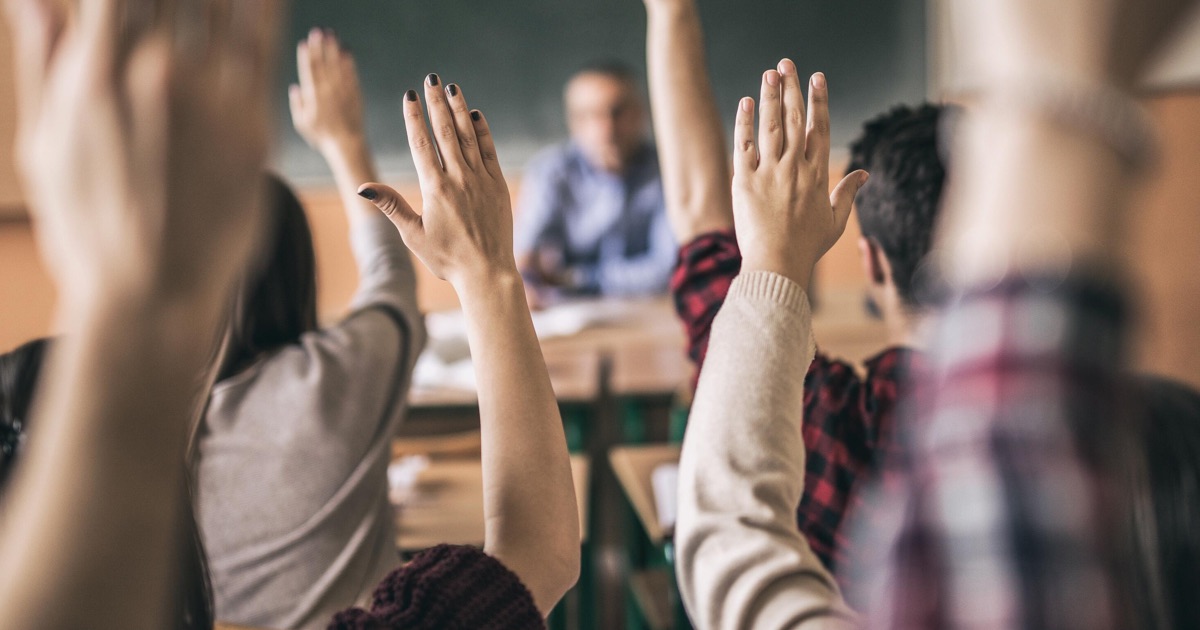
(295, 103)
(394, 207)
(842, 198)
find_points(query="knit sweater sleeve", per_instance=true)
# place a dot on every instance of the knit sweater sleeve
(741, 561)
(447, 587)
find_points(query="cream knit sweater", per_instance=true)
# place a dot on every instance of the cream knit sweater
(741, 561)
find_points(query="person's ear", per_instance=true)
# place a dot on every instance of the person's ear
(874, 263)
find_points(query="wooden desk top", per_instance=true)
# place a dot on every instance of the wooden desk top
(644, 322)
(575, 377)
(650, 370)
(633, 466)
(647, 349)
(448, 505)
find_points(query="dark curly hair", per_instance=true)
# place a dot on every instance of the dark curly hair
(903, 150)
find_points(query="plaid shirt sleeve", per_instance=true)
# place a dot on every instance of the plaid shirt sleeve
(997, 515)
(701, 280)
(845, 419)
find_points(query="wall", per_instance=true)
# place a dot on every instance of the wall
(10, 197)
(513, 57)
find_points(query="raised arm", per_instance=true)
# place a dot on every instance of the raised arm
(687, 127)
(143, 158)
(327, 111)
(1027, 398)
(464, 235)
(742, 562)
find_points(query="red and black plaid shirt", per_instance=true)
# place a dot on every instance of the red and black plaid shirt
(848, 420)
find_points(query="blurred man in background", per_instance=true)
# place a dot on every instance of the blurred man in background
(591, 213)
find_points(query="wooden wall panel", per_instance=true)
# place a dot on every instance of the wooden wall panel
(10, 195)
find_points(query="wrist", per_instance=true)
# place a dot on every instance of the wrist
(478, 286)
(181, 324)
(343, 146)
(797, 271)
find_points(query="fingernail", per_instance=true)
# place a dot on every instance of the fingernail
(410, 95)
(818, 80)
(772, 78)
(452, 89)
(432, 79)
(786, 67)
(475, 115)
(369, 194)
(747, 104)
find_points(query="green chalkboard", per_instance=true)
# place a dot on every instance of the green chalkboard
(512, 58)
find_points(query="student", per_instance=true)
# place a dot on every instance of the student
(464, 235)
(591, 218)
(848, 420)
(166, 143)
(295, 443)
(145, 277)
(996, 518)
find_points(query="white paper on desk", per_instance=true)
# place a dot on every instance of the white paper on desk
(403, 475)
(431, 372)
(446, 361)
(571, 318)
(665, 481)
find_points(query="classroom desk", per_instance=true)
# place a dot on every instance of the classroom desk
(574, 376)
(448, 505)
(633, 466)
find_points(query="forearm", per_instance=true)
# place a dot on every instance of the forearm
(352, 165)
(742, 563)
(90, 537)
(532, 522)
(691, 141)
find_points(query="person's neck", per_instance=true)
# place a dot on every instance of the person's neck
(905, 325)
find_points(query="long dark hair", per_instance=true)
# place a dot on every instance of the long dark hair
(277, 303)
(1167, 504)
(19, 371)
(19, 374)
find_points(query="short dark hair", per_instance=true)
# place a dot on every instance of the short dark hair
(898, 208)
(277, 303)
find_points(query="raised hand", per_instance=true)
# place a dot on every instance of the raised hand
(326, 106)
(465, 230)
(465, 235)
(151, 180)
(785, 217)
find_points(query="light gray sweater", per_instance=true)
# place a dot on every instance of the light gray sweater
(293, 454)
(741, 561)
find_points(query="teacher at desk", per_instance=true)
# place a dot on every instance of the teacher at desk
(592, 220)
